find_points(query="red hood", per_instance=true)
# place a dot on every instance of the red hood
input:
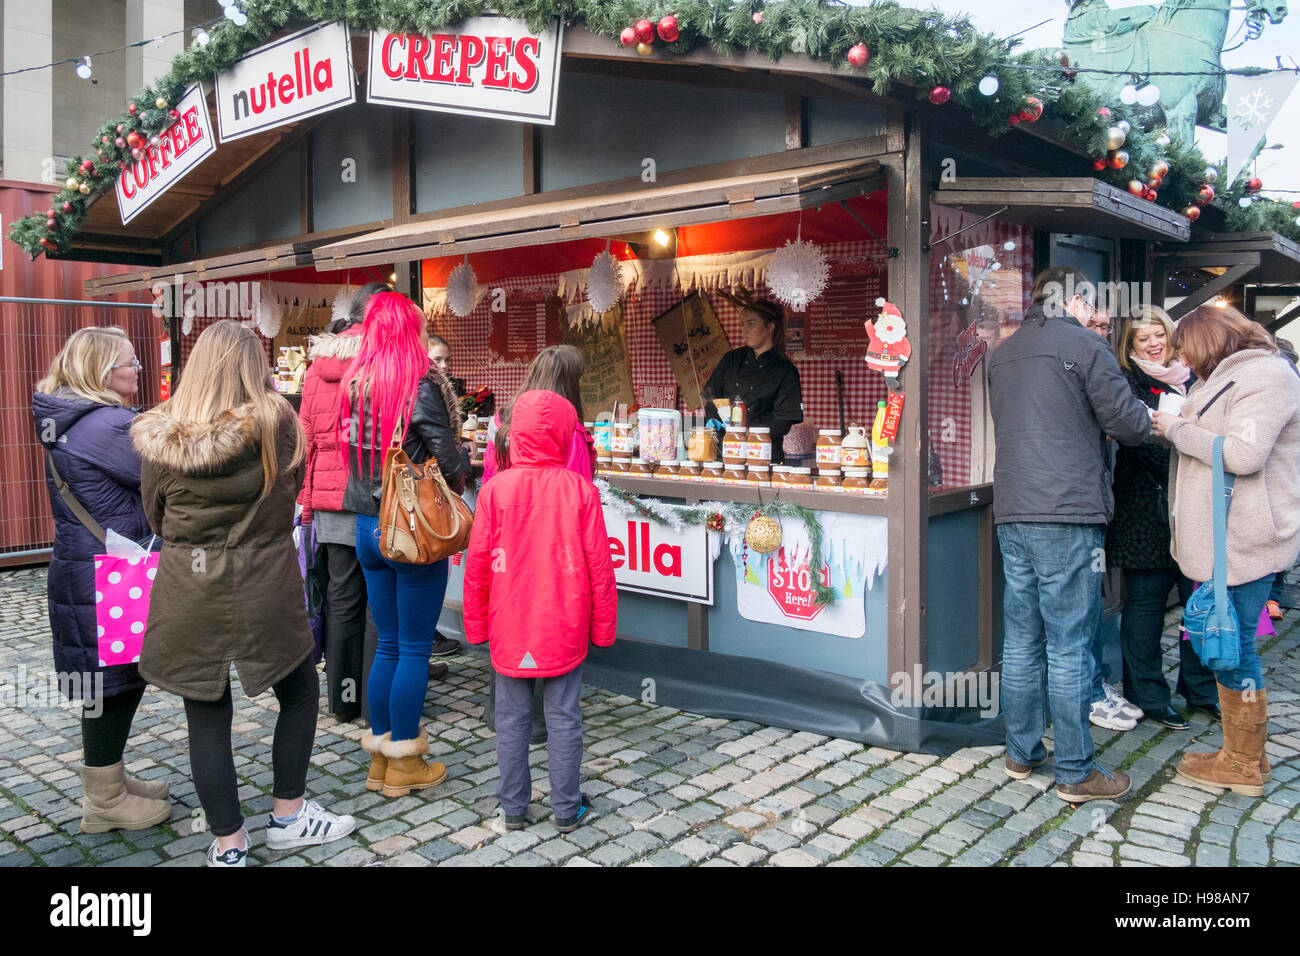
(541, 427)
(331, 355)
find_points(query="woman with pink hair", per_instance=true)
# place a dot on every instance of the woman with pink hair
(391, 388)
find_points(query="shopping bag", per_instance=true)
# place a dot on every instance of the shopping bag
(315, 579)
(123, 583)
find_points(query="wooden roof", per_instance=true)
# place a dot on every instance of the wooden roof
(1075, 205)
(627, 206)
(1275, 257)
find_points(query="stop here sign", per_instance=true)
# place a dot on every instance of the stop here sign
(792, 588)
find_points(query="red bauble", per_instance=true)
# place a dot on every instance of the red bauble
(174, 114)
(67, 207)
(1032, 111)
(1155, 182)
(132, 109)
(1099, 164)
(1205, 195)
(134, 140)
(1255, 185)
(1013, 119)
(628, 36)
(858, 55)
(667, 29)
(645, 31)
(1104, 112)
(1136, 188)
(758, 16)
(1118, 159)
(103, 139)
(120, 143)
(1150, 195)
(940, 95)
(87, 166)
(1192, 212)
(51, 225)
(121, 128)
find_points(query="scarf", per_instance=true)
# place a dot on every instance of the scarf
(1175, 374)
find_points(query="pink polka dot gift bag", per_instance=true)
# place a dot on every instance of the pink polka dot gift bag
(123, 582)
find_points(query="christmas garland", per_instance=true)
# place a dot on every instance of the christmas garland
(720, 516)
(943, 57)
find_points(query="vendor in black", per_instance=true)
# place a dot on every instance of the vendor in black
(759, 374)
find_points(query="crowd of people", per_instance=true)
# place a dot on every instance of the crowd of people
(1095, 466)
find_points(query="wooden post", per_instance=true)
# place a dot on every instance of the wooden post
(796, 129)
(407, 273)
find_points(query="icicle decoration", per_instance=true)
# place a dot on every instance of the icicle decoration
(605, 282)
(463, 290)
(797, 274)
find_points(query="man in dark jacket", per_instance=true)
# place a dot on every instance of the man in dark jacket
(1056, 392)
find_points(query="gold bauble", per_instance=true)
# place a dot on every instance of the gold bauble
(1115, 138)
(84, 189)
(161, 102)
(645, 49)
(71, 183)
(763, 534)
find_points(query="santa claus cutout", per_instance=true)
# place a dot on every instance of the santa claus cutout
(887, 347)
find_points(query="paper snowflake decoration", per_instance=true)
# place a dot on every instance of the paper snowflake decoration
(342, 304)
(267, 315)
(1253, 109)
(797, 274)
(605, 282)
(462, 290)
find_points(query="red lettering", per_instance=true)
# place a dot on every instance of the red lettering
(669, 569)
(497, 59)
(471, 54)
(270, 88)
(151, 157)
(286, 89)
(139, 170)
(258, 107)
(129, 192)
(386, 55)
(322, 75)
(192, 128)
(631, 545)
(616, 552)
(528, 81)
(164, 150)
(176, 133)
(645, 546)
(444, 49)
(417, 50)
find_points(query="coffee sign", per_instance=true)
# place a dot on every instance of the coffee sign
(488, 66)
(181, 147)
(297, 76)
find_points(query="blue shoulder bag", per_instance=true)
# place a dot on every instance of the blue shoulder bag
(1209, 616)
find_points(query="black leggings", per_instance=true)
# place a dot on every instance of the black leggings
(103, 734)
(212, 761)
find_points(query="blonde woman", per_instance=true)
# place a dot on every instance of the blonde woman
(1138, 539)
(223, 462)
(83, 423)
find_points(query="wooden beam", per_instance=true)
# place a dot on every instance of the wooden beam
(1208, 291)
(403, 167)
(532, 144)
(796, 131)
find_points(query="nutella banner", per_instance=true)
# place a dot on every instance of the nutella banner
(652, 558)
(297, 76)
(488, 66)
(181, 147)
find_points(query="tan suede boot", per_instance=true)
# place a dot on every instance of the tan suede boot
(378, 762)
(407, 769)
(149, 789)
(1238, 766)
(108, 806)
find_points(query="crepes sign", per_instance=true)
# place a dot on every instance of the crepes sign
(488, 66)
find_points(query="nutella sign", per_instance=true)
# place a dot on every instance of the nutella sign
(181, 147)
(651, 558)
(488, 66)
(296, 76)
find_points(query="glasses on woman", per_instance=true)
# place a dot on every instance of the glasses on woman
(134, 363)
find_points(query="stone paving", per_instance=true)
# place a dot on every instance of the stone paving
(669, 788)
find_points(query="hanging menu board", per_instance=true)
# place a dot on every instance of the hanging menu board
(694, 341)
(529, 324)
(833, 325)
(608, 377)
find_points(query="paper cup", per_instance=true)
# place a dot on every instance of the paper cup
(1172, 402)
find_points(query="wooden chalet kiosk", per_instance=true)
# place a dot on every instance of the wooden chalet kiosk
(728, 157)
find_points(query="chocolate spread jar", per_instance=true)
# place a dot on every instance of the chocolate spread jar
(758, 446)
(801, 477)
(688, 471)
(856, 480)
(667, 469)
(735, 446)
(733, 473)
(759, 475)
(828, 448)
(712, 471)
(828, 479)
(639, 468)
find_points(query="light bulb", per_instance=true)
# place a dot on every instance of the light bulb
(661, 237)
(201, 37)
(1008, 245)
(989, 85)
(83, 68)
(1128, 95)
(1149, 95)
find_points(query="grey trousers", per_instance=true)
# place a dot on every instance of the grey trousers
(561, 697)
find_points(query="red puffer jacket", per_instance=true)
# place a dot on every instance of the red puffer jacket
(539, 585)
(327, 471)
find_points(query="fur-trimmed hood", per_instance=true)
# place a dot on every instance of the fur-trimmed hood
(343, 346)
(199, 448)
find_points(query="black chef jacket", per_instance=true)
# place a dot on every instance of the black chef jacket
(768, 384)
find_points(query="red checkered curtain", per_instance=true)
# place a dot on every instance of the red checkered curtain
(980, 281)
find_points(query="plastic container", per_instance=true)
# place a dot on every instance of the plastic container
(660, 431)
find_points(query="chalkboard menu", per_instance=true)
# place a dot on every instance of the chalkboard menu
(608, 376)
(833, 324)
(531, 321)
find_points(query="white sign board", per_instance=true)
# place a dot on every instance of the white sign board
(652, 558)
(488, 66)
(288, 80)
(181, 147)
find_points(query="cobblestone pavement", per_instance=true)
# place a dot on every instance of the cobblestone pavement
(669, 788)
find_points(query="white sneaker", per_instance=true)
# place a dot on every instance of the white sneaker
(1104, 714)
(314, 825)
(232, 857)
(1118, 701)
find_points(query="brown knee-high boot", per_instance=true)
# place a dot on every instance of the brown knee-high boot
(1239, 765)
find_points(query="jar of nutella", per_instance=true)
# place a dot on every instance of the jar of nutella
(734, 473)
(712, 471)
(779, 474)
(828, 479)
(828, 448)
(618, 466)
(640, 468)
(760, 475)
(602, 464)
(688, 471)
(799, 476)
(856, 480)
(621, 442)
(735, 446)
(758, 446)
(667, 469)
(481, 432)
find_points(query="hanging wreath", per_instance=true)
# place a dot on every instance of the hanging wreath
(462, 290)
(797, 274)
(605, 282)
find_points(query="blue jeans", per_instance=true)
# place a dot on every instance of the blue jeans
(1051, 613)
(1248, 599)
(1107, 630)
(405, 601)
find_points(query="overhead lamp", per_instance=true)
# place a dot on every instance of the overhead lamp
(661, 237)
(234, 14)
(1129, 94)
(1148, 95)
(200, 36)
(1221, 302)
(84, 70)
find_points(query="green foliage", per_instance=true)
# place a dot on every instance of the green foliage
(916, 49)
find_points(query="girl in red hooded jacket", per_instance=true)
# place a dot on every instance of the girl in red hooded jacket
(539, 588)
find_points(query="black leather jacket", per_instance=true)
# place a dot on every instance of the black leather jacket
(429, 433)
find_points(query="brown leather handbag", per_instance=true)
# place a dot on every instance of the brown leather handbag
(421, 520)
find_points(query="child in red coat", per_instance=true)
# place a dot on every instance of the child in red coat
(539, 588)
